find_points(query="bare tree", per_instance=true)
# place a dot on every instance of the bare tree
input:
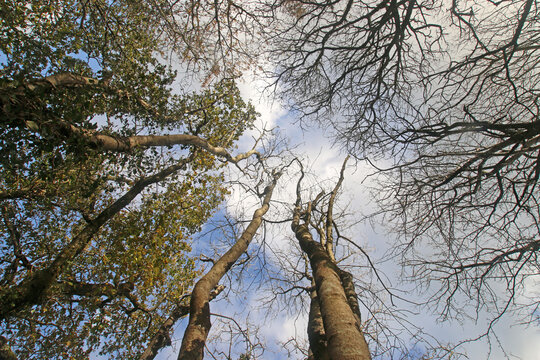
(199, 319)
(335, 327)
(446, 93)
(469, 171)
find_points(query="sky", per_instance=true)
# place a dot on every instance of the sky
(282, 325)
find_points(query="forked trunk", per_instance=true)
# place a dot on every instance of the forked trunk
(345, 340)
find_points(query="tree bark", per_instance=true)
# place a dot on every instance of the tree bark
(111, 143)
(329, 225)
(316, 334)
(199, 315)
(107, 142)
(352, 298)
(163, 336)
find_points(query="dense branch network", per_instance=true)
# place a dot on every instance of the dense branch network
(446, 93)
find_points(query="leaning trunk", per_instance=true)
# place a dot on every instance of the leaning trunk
(199, 316)
(32, 290)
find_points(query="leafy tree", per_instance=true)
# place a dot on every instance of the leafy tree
(107, 172)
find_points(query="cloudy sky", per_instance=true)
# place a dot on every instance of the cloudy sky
(281, 325)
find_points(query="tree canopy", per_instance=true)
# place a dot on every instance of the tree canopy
(441, 97)
(120, 122)
(107, 172)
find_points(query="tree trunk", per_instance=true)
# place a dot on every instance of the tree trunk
(352, 298)
(199, 316)
(343, 332)
(163, 336)
(316, 334)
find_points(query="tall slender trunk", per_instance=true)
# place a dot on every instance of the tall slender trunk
(199, 316)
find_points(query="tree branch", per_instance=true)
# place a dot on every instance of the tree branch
(32, 289)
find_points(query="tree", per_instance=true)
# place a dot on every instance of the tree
(199, 317)
(444, 92)
(335, 327)
(339, 310)
(106, 175)
(288, 287)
